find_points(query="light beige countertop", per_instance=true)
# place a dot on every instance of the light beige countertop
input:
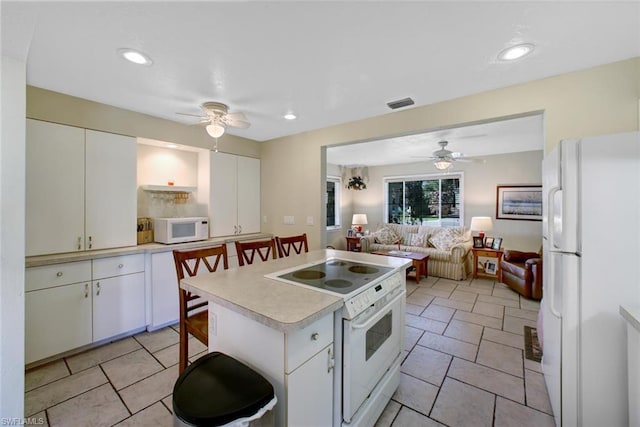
(632, 315)
(281, 306)
(37, 261)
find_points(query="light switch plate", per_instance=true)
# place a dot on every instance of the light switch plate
(309, 220)
(264, 219)
(289, 220)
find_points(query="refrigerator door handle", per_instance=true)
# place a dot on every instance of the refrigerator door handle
(550, 216)
(551, 287)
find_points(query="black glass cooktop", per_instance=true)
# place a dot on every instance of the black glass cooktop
(336, 275)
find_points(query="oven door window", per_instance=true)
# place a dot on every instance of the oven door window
(378, 334)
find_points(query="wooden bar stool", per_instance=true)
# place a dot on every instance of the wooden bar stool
(194, 315)
(297, 243)
(247, 250)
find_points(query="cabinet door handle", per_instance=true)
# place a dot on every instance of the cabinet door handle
(331, 360)
(120, 265)
(59, 274)
(79, 243)
(90, 242)
(314, 336)
(239, 229)
(98, 287)
(86, 290)
(235, 229)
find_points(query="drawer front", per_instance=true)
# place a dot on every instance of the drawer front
(303, 344)
(117, 266)
(49, 276)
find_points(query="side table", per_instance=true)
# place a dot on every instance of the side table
(353, 244)
(486, 253)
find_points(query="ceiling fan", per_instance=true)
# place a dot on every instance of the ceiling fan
(218, 118)
(443, 159)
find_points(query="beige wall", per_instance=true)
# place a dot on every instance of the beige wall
(479, 192)
(59, 108)
(596, 101)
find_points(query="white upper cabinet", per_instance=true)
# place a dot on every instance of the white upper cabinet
(110, 196)
(235, 195)
(54, 188)
(80, 189)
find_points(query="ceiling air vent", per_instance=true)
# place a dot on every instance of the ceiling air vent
(394, 105)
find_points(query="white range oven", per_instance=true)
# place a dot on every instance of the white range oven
(368, 332)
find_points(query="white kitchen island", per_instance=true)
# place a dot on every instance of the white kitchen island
(285, 332)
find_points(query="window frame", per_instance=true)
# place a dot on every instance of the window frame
(337, 202)
(423, 177)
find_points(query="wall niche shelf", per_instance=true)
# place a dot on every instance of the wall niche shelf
(168, 188)
(175, 193)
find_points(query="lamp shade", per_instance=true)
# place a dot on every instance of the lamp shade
(481, 223)
(359, 219)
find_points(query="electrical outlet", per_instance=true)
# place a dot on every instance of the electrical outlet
(309, 220)
(289, 220)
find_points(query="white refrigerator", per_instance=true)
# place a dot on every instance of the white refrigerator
(591, 260)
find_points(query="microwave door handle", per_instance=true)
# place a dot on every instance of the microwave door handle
(378, 314)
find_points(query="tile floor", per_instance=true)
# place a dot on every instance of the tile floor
(464, 366)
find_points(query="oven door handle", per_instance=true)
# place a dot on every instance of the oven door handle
(379, 313)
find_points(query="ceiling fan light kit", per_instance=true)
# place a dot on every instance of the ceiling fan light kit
(215, 130)
(442, 164)
(218, 118)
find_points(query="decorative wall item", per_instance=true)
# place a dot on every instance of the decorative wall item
(355, 177)
(522, 202)
(356, 183)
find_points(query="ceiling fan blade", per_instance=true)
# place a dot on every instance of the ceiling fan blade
(241, 124)
(236, 116)
(200, 116)
(469, 160)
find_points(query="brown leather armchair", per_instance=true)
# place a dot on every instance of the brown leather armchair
(522, 272)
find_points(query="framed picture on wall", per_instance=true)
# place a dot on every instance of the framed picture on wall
(522, 202)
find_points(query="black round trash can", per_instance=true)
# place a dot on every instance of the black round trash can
(216, 390)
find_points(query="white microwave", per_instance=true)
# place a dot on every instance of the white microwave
(180, 230)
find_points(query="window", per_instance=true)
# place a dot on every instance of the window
(429, 200)
(332, 196)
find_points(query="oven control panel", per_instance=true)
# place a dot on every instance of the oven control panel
(373, 293)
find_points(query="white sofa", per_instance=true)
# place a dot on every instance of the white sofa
(449, 248)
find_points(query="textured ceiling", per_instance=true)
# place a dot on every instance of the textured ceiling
(329, 62)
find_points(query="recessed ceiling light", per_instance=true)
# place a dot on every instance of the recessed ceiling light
(135, 56)
(290, 116)
(516, 52)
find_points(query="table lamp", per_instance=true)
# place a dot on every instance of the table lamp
(481, 224)
(358, 221)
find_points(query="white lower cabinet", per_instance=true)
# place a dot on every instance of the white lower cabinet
(165, 307)
(57, 320)
(299, 365)
(118, 305)
(74, 304)
(310, 391)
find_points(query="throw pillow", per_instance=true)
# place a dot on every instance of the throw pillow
(386, 236)
(445, 239)
(418, 239)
